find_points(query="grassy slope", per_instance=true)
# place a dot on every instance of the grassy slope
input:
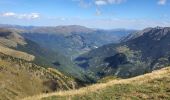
(20, 78)
(152, 86)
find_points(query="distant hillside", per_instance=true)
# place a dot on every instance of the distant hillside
(13, 44)
(20, 78)
(152, 86)
(11, 39)
(139, 53)
(71, 40)
(74, 40)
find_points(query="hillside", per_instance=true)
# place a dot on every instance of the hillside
(11, 38)
(20, 78)
(71, 40)
(139, 53)
(74, 40)
(12, 43)
(152, 86)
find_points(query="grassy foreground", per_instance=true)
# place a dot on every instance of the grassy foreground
(152, 86)
(20, 78)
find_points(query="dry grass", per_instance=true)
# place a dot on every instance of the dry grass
(136, 80)
(19, 79)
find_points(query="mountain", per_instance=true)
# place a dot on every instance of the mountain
(35, 64)
(152, 86)
(59, 46)
(71, 40)
(63, 30)
(14, 44)
(74, 40)
(139, 53)
(12, 39)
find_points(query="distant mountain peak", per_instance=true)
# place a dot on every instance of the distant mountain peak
(143, 51)
(155, 33)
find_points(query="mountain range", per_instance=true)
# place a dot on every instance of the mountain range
(57, 46)
(71, 40)
(41, 60)
(14, 44)
(138, 53)
(19, 76)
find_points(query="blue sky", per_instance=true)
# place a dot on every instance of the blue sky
(106, 14)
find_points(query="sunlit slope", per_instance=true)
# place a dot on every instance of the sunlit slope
(20, 78)
(152, 86)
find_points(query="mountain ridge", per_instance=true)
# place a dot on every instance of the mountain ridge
(83, 92)
(146, 52)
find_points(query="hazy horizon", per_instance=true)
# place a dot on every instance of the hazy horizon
(103, 14)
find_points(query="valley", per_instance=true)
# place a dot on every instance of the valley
(72, 40)
(29, 68)
(135, 55)
(84, 50)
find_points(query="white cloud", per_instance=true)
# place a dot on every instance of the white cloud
(63, 19)
(86, 3)
(21, 16)
(34, 15)
(98, 12)
(100, 2)
(83, 3)
(162, 2)
(115, 1)
(8, 14)
(105, 2)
